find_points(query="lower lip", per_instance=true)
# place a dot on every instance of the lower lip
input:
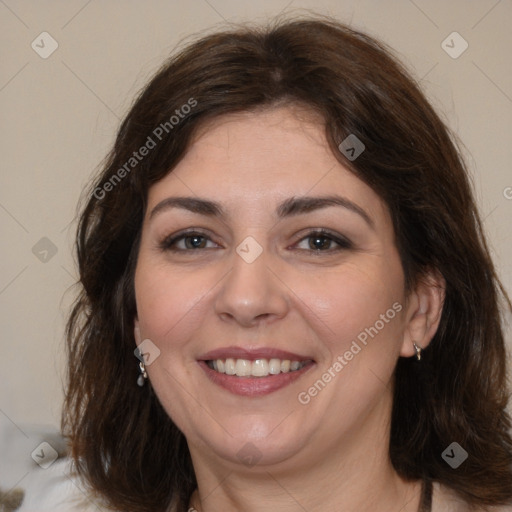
(253, 386)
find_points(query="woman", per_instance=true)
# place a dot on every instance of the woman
(287, 298)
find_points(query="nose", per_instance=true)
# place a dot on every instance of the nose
(252, 293)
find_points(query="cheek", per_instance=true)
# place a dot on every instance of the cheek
(358, 302)
(168, 302)
(357, 313)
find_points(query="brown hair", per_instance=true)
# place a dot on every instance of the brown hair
(123, 442)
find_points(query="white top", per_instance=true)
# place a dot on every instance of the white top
(53, 490)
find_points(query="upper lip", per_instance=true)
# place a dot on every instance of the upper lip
(252, 354)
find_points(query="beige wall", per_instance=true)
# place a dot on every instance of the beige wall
(59, 116)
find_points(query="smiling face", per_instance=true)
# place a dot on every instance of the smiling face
(261, 253)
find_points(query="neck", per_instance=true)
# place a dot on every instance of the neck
(354, 474)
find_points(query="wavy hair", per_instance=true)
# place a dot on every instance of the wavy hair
(123, 443)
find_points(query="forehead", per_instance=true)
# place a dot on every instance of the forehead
(262, 139)
(253, 160)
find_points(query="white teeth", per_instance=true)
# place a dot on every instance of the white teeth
(274, 366)
(285, 366)
(243, 368)
(256, 368)
(229, 366)
(260, 368)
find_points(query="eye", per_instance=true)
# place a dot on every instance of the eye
(315, 241)
(323, 241)
(186, 241)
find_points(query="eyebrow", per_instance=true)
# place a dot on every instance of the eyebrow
(289, 207)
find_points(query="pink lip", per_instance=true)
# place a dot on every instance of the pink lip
(252, 354)
(253, 386)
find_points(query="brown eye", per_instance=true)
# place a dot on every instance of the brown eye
(195, 241)
(188, 241)
(319, 242)
(324, 241)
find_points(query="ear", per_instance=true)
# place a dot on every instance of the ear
(423, 312)
(136, 331)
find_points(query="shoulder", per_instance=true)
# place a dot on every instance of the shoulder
(445, 499)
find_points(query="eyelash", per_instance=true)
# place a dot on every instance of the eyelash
(343, 243)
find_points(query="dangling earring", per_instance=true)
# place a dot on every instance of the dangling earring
(143, 375)
(418, 351)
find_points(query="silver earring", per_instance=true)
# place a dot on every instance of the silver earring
(143, 375)
(418, 351)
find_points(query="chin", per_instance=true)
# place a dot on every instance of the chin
(256, 441)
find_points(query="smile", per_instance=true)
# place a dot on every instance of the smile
(256, 368)
(254, 372)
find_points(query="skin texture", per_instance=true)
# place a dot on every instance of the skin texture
(328, 454)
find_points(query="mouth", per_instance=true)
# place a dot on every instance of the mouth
(257, 368)
(254, 372)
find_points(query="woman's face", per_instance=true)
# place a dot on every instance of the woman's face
(261, 254)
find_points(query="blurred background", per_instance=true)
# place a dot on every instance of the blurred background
(71, 69)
